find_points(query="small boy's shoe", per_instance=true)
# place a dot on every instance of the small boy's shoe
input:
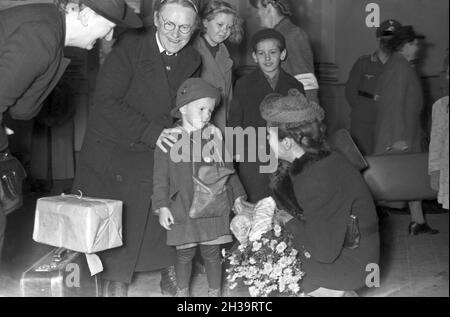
(115, 289)
(183, 292)
(416, 229)
(214, 293)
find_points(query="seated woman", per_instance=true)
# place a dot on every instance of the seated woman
(321, 191)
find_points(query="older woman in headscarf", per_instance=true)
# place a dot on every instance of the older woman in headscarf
(130, 117)
(323, 197)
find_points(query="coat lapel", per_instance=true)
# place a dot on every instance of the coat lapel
(152, 65)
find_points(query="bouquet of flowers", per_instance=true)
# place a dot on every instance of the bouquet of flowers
(266, 260)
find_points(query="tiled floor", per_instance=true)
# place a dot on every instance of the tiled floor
(410, 266)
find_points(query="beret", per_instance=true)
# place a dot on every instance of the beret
(194, 89)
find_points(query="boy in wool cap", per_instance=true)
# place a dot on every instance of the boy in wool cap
(269, 51)
(174, 188)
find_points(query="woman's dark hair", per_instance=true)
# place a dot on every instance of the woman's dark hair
(215, 7)
(311, 136)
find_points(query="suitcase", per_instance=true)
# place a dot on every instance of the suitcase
(60, 273)
(399, 177)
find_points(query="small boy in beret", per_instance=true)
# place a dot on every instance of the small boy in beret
(176, 198)
(269, 51)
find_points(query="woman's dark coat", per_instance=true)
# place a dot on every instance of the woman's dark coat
(249, 92)
(131, 108)
(399, 105)
(329, 189)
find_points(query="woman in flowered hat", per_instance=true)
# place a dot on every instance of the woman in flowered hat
(321, 192)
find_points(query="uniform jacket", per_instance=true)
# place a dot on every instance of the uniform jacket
(173, 188)
(218, 72)
(249, 92)
(31, 59)
(400, 102)
(329, 189)
(360, 93)
(132, 106)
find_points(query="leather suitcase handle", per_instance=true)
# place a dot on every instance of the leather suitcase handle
(59, 254)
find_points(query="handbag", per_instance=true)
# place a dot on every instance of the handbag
(210, 198)
(12, 175)
(353, 234)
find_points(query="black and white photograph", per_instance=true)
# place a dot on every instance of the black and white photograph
(255, 150)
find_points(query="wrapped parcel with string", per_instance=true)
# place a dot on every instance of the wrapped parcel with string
(82, 224)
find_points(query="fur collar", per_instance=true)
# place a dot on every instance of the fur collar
(306, 161)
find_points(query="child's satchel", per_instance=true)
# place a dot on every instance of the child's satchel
(353, 235)
(210, 192)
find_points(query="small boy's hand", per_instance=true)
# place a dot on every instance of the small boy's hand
(168, 138)
(166, 219)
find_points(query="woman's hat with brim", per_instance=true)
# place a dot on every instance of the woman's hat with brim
(387, 28)
(293, 108)
(404, 34)
(116, 11)
(194, 89)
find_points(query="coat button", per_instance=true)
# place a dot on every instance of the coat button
(119, 178)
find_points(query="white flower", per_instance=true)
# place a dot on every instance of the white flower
(224, 253)
(277, 271)
(277, 230)
(252, 261)
(284, 261)
(253, 291)
(256, 236)
(288, 271)
(257, 246)
(281, 287)
(294, 253)
(232, 286)
(233, 261)
(268, 268)
(241, 248)
(281, 247)
(273, 243)
(294, 288)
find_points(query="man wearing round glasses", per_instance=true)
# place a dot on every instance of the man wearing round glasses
(130, 116)
(175, 27)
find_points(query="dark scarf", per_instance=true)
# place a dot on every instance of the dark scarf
(282, 186)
